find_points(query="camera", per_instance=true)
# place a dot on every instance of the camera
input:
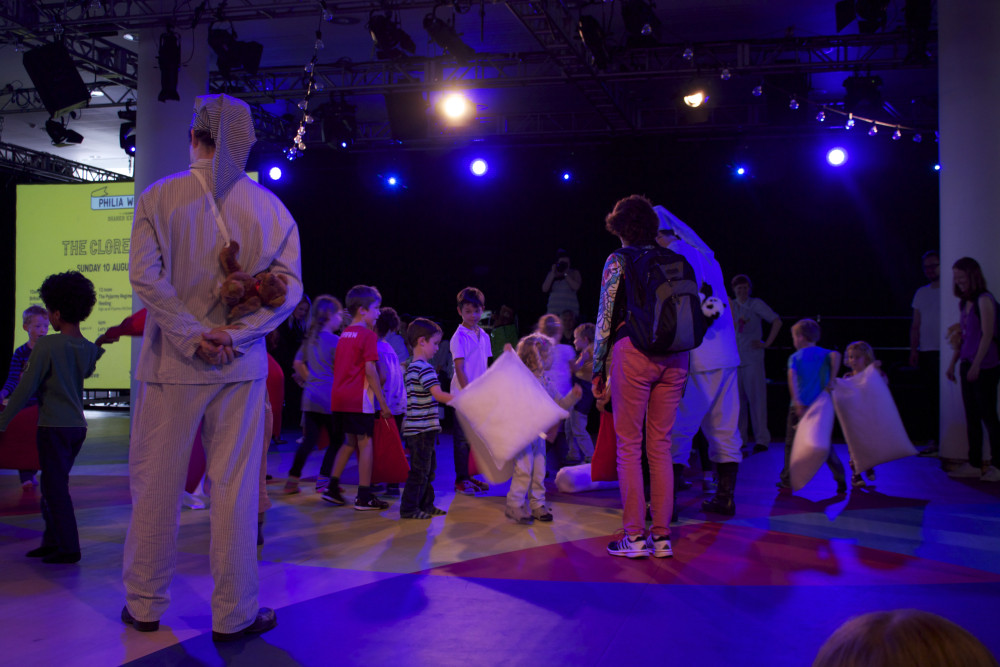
(562, 265)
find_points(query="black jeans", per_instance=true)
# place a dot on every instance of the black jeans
(57, 451)
(461, 444)
(314, 421)
(418, 494)
(980, 401)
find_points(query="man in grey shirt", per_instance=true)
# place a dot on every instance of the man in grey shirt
(198, 371)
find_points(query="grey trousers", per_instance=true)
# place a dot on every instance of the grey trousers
(166, 419)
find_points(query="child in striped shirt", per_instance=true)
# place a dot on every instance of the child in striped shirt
(421, 426)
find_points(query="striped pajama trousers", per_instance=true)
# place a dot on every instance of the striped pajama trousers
(166, 419)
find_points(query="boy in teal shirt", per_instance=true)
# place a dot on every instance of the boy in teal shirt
(55, 370)
(810, 371)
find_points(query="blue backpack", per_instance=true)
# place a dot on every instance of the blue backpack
(662, 309)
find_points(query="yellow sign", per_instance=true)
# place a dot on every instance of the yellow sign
(82, 227)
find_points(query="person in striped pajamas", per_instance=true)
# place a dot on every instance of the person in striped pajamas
(195, 366)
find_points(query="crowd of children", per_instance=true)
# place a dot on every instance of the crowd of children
(356, 368)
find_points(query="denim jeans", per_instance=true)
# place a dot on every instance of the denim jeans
(313, 423)
(57, 450)
(980, 401)
(461, 445)
(579, 444)
(418, 494)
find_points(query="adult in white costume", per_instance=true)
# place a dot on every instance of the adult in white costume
(711, 399)
(194, 368)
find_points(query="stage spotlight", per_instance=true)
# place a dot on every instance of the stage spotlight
(478, 167)
(233, 54)
(592, 34)
(169, 59)
(340, 124)
(61, 135)
(443, 34)
(862, 89)
(695, 99)
(741, 171)
(641, 23)
(566, 176)
(836, 156)
(388, 36)
(937, 167)
(455, 107)
(126, 132)
(274, 173)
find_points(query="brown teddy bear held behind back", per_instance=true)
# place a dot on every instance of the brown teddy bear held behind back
(245, 294)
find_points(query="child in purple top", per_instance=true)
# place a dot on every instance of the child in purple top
(979, 367)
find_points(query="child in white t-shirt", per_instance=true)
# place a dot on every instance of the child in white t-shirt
(471, 350)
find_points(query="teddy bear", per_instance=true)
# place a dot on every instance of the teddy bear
(243, 293)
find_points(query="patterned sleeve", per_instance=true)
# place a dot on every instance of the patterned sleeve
(35, 370)
(428, 377)
(610, 280)
(17, 362)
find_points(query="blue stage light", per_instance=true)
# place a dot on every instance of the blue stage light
(274, 173)
(836, 156)
(937, 167)
(392, 181)
(566, 176)
(478, 167)
(741, 171)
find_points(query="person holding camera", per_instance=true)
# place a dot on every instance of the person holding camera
(561, 284)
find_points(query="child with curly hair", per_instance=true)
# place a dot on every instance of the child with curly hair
(526, 497)
(56, 369)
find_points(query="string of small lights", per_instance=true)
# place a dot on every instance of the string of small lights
(312, 86)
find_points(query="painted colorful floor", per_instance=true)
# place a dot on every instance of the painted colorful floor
(351, 588)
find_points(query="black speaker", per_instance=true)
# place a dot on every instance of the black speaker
(59, 84)
(407, 115)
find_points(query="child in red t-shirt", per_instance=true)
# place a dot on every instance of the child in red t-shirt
(356, 385)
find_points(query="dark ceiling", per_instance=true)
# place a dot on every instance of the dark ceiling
(529, 73)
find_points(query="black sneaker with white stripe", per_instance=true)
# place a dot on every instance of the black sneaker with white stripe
(374, 503)
(629, 547)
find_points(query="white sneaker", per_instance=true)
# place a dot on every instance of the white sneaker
(991, 475)
(192, 501)
(965, 470)
(659, 547)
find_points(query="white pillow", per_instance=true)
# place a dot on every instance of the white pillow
(812, 441)
(506, 408)
(870, 420)
(484, 461)
(576, 479)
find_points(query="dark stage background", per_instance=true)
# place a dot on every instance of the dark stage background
(815, 240)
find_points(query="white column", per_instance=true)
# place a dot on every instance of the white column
(161, 146)
(969, 88)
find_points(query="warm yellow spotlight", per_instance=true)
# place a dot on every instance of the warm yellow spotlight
(695, 99)
(456, 106)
